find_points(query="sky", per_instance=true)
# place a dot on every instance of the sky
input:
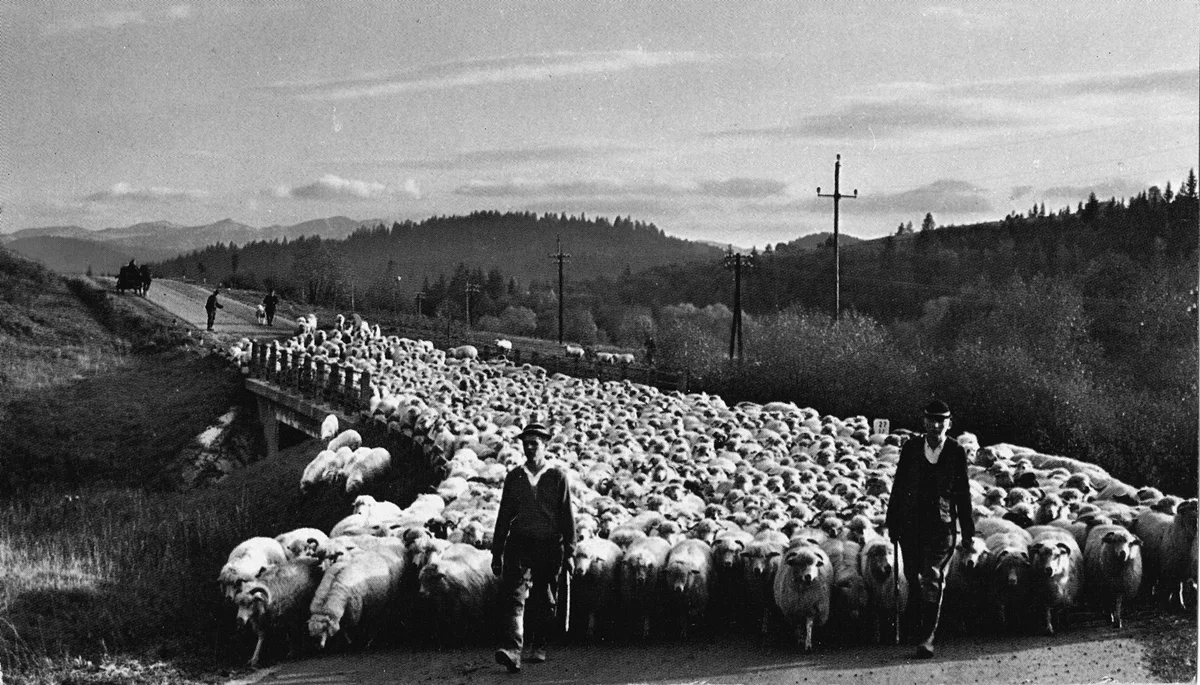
(715, 121)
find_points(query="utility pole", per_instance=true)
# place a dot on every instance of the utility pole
(561, 259)
(736, 262)
(837, 258)
(420, 300)
(470, 288)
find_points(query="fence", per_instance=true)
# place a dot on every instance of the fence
(339, 385)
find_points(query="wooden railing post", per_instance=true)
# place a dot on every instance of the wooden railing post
(348, 390)
(364, 397)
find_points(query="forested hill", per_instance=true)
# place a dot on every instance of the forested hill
(518, 244)
(1107, 249)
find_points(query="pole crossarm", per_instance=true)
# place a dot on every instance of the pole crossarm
(837, 257)
(736, 262)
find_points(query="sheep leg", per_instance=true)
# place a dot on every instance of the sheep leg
(1117, 612)
(262, 636)
(591, 625)
(1049, 621)
(808, 634)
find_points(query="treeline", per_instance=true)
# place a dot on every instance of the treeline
(373, 258)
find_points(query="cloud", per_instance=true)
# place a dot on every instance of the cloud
(967, 19)
(1113, 187)
(111, 21)
(940, 197)
(1019, 192)
(733, 188)
(1182, 82)
(879, 119)
(507, 157)
(331, 187)
(124, 192)
(472, 73)
(742, 188)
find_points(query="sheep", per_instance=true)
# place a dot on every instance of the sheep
(355, 597)
(1055, 572)
(883, 573)
(463, 352)
(849, 599)
(1007, 572)
(641, 570)
(802, 590)
(594, 585)
(324, 468)
(373, 509)
(966, 581)
(460, 588)
(246, 561)
(505, 346)
(729, 590)
(1178, 559)
(301, 542)
(761, 560)
(277, 600)
(260, 315)
(688, 578)
(1113, 567)
(347, 438)
(624, 359)
(366, 466)
(1152, 528)
(354, 524)
(574, 351)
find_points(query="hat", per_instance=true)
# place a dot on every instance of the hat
(937, 409)
(534, 429)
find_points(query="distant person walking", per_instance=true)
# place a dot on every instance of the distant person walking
(269, 303)
(929, 495)
(211, 306)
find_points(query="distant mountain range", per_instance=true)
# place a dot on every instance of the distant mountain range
(71, 249)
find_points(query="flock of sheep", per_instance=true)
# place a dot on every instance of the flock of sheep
(692, 515)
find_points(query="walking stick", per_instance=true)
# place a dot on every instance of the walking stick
(564, 599)
(896, 588)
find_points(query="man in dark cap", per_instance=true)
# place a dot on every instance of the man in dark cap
(533, 540)
(211, 306)
(929, 494)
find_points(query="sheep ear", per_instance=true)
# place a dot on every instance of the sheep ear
(772, 555)
(1136, 541)
(260, 594)
(1110, 537)
(1064, 547)
(1036, 549)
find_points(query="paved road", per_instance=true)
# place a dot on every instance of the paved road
(1091, 653)
(185, 301)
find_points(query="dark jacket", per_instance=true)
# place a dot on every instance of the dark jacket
(212, 305)
(954, 491)
(544, 514)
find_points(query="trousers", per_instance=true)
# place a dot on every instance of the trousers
(926, 557)
(528, 591)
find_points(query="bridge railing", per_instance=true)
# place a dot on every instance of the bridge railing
(339, 385)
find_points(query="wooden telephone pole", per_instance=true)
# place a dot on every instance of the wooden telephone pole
(561, 259)
(837, 259)
(470, 288)
(736, 263)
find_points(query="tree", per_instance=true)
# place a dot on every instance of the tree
(928, 224)
(1189, 186)
(233, 261)
(203, 271)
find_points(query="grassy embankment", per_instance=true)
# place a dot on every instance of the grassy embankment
(107, 567)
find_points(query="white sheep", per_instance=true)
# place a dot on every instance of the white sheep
(375, 510)
(688, 583)
(324, 468)
(355, 597)
(1055, 572)
(347, 438)
(277, 601)
(1113, 568)
(260, 315)
(883, 572)
(461, 590)
(365, 466)
(329, 427)
(573, 350)
(301, 541)
(463, 352)
(803, 589)
(505, 345)
(246, 561)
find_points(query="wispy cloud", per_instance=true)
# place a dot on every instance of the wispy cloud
(331, 187)
(1019, 192)
(471, 73)
(878, 119)
(125, 192)
(967, 19)
(510, 157)
(940, 197)
(1113, 187)
(109, 21)
(733, 188)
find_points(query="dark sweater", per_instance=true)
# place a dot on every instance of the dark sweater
(925, 494)
(543, 513)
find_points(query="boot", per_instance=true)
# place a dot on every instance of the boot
(911, 621)
(929, 622)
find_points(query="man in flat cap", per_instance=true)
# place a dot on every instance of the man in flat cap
(929, 495)
(533, 540)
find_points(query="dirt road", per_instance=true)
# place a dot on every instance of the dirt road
(1090, 652)
(185, 301)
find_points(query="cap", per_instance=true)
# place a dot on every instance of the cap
(937, 409)
(534, 429)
